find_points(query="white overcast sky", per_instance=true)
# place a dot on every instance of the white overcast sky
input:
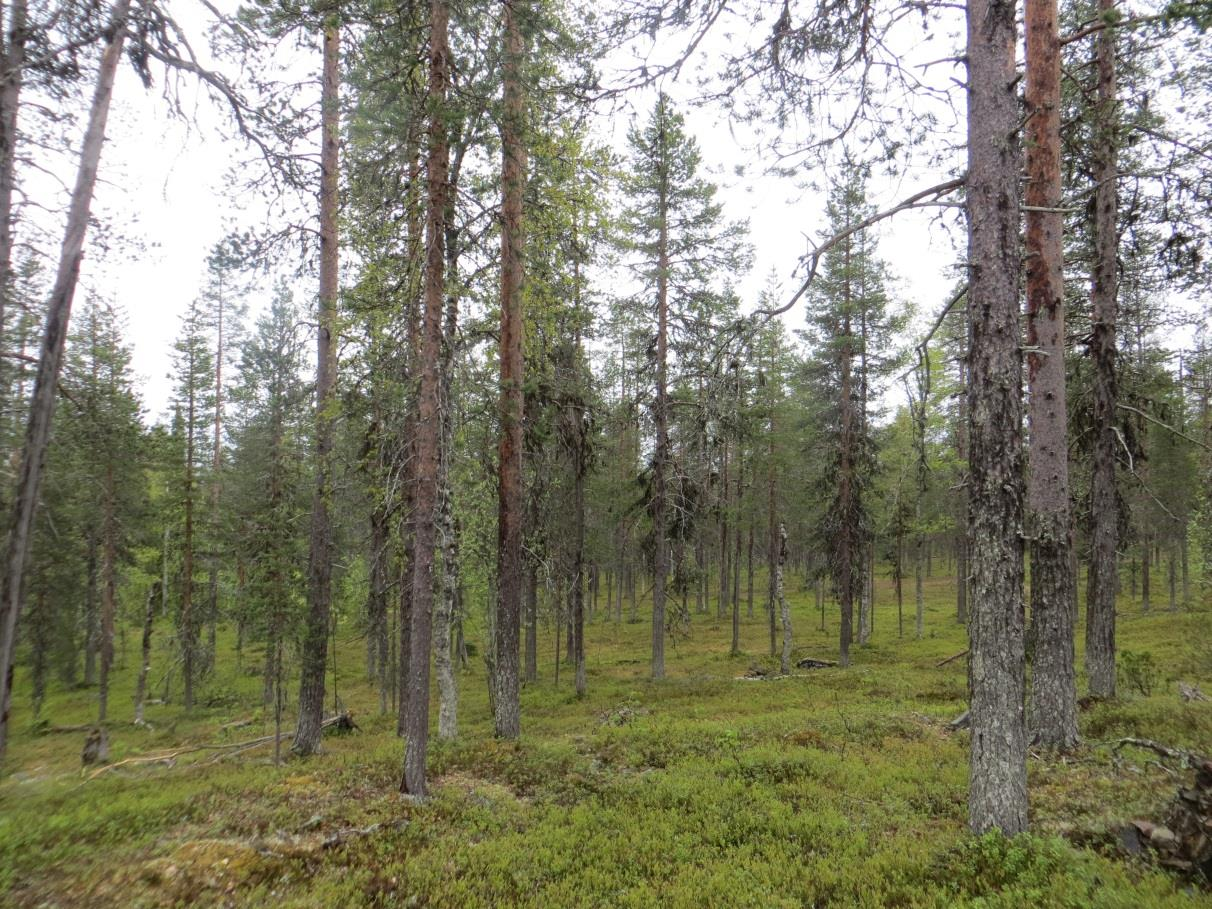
(169, 176)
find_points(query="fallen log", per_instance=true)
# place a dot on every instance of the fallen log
(1185, 758)
(813, 663)
(341, 721)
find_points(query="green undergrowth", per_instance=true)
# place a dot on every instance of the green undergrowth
(829, 788)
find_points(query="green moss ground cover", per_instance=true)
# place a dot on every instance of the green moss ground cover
(831, 788)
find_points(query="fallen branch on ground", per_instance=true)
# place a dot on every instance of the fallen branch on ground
(1186, 758)
(341, 721)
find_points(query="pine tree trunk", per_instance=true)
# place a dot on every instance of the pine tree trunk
(216, 490)
(377, 647)
(1146, 602)
(661, 418)
(109, 589)
(315, 644)
(578, 554)
(12, 72)
(736, 559)
(847, 542)
(92, 619)
(1053, 682)
(919, 600)
(532, 620)
(448, 691)
(998, 771)
(45, 391)
(149, 612)
(506, 720)
(784, 609)
(722, 605)
(772, 527)
(1104, 501)
(962, 569)
(749, 569)
(900, 592)
(427, 454)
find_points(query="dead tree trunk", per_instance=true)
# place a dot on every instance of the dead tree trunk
(42, 400)
(315, 643)
(997, 797)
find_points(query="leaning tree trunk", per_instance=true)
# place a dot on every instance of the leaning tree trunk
(1104, 498)
(997, 797)
(506, 715)
(315, 643)
(1053, 679)
(428, 424)
(42, 400)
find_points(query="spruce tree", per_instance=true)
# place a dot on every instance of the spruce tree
(680, 244)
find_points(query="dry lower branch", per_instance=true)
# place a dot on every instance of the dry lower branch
(951, 659)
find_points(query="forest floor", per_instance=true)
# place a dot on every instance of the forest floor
(834, 787)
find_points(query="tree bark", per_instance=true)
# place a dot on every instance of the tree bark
(997, 796)
(1053, 681)
(12, 73)
(42, 400)
(1103, 579)
(1146, 561)
(749, 570)
(109, 588)
(847, 505)
(784, 609)
(377, 648)
(448, 690)
(149, 611)
(660, 456)
(506, 719)
(532, 620)
(315, 644)
(416, 726)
